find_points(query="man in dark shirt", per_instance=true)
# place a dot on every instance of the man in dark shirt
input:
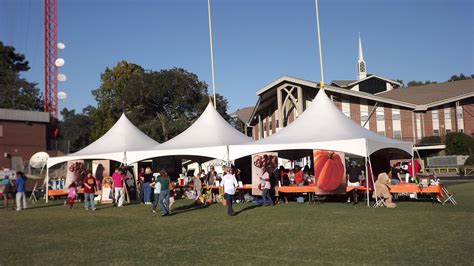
(354, 174)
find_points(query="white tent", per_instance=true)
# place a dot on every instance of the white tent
(209, 136)
(121, 138)
(322, 126)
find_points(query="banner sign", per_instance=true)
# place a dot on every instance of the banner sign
(329, 172)
(260, 162)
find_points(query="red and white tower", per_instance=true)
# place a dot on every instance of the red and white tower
(50, 55)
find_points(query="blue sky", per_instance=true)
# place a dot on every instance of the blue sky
(255, 41)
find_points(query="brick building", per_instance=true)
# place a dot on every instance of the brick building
(22, 133)
(379, 104)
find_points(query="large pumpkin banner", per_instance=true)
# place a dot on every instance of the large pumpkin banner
(329, 172)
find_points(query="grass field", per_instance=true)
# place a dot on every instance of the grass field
(330, 233)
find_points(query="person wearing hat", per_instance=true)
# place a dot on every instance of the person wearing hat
(354, 174)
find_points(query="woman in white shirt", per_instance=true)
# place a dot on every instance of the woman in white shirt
(230, 184)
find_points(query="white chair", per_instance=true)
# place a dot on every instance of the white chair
(448, 196)
(379, 202)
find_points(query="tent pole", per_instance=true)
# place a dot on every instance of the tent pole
(47, 183)
(367, 180)
(372, 174)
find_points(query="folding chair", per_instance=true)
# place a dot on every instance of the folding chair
(379, 202)
(448, 196)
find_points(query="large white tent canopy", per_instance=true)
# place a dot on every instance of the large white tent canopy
(209, 136)
(121, 138)
(322, 126)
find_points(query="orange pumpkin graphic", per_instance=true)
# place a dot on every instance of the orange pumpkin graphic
(328, 170)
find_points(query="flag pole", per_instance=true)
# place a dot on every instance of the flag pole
(212, 52)
(320, 49)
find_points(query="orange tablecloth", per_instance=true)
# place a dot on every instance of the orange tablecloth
(57, 192)
(361, 188)
(413, 188)
(296, 189)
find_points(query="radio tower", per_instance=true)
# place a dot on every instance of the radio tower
(50, 55)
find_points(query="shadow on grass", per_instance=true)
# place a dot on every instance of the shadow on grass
(248, 208)
(188, 208)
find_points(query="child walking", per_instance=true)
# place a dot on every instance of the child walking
(72, 194)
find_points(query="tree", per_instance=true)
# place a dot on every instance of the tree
(161, 103)
(458, 143)
(16, 92)
(460, 77)
(419, 83)
(75, 128)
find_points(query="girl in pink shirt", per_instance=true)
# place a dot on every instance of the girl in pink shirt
(72, 194)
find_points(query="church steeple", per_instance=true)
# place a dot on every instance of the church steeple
(361, 66)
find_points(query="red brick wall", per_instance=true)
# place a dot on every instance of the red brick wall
(21, 139)
(355, 109)
(373, 118)
(407, 124)
(274, 125)
(428, 123)
(388, 120)
(468, 115)
(442, 127)
(453, 118)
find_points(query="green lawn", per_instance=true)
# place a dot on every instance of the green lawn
(330, 233)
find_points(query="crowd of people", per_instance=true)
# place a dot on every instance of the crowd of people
(15, 190)
(157, 189)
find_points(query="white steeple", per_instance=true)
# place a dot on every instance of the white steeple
(361, 66)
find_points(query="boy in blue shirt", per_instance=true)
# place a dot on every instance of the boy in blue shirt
(20, 191)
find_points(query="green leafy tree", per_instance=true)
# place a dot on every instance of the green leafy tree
(460, 77)
(161, 103)
(458, 143)
(419, 83)
(75, 128)
(16, 92)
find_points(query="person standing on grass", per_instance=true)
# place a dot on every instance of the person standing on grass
(118, 177)
(20, 191)
(90, 186)
(164, 197)
(72, 194)
(6, 186)
(141, 177)
(156, 194)
(230, 184)
(266, 186)
(148, 178)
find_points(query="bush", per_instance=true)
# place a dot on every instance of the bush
(458, 143)
(470, 160)
(431, 140)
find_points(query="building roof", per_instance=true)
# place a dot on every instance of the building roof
(22, 115)
(432, 94)
(343, 83)
(350, 83)
(244, 114)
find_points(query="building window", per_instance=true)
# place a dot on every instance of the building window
(461, 130)
(436, 132)
(380, 114)
(397, 134)
(382, 133)
(346, 108)
(395, 114)
(448, 131)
